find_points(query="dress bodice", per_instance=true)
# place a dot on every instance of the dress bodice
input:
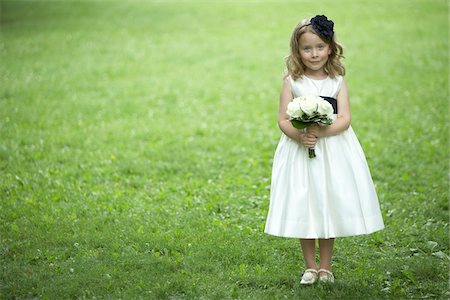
(328, 87)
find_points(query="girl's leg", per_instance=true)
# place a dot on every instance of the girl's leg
(309, 252)
(326, 253)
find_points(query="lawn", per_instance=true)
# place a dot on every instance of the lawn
(136, 142)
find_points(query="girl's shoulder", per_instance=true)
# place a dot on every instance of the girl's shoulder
(337, 78)
(337, 81)
(287, 80)
(290, 79)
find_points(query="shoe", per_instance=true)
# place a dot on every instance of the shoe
(327, 277)
(309, 277)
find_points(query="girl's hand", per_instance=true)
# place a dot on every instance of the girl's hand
(316, 130)
(308, 140)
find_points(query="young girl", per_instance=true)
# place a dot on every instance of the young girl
(331, 195)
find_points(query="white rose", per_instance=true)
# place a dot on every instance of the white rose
(325, 108)
(300, 98)
(309, 105)
(293, 109)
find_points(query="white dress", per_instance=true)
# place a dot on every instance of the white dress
(331, 195)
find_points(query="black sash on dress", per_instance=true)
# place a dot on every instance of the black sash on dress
(332, 101)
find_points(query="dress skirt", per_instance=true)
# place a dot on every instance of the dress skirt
(331, 195)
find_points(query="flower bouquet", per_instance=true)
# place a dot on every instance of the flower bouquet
(306, 110)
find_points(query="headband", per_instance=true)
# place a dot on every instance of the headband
(322, 26)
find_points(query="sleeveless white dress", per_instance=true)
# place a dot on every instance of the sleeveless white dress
(331, 195)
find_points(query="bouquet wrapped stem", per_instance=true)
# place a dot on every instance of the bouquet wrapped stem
(306, 110)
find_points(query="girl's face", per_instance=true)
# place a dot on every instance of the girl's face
(314, 52)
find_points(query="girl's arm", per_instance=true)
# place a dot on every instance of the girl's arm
(343, 119)
(308, 140)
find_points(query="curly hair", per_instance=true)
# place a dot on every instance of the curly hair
(294, 64)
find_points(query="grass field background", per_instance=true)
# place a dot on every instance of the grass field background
(136, 142)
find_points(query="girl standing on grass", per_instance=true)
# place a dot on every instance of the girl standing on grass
(331, 195)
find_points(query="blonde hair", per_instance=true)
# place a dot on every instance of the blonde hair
(294, 64)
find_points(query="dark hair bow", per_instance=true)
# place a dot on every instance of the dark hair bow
(323, 27)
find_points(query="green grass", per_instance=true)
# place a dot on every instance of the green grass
(136, 141)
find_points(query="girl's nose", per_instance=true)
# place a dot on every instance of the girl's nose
(314, 53)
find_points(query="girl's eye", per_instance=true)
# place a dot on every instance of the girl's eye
(321, 47)
(307, 49)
